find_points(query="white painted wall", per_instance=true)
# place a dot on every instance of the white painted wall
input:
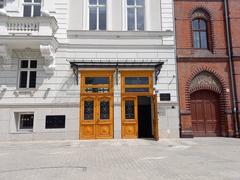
(59, 91)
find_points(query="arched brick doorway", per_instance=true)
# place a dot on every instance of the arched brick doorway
(205, 113)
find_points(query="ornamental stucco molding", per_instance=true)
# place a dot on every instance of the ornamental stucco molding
(5, 57)
(4, 53)
(27, 53)
(205, 80)
(48, 52)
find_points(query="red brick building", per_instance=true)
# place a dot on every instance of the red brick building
(209, 86)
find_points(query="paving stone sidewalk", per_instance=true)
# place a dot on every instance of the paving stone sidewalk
(176, 159)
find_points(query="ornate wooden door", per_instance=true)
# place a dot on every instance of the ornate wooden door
(129, 117)
(96, 107)
(205, 113)
(104, 119)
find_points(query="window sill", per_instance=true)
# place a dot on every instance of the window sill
(30, 91)
(23, 132)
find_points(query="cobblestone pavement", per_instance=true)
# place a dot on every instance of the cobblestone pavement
(178, 159)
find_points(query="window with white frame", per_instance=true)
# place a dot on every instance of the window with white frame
(25, 121)
(31, 8)
(1, 4)
(97, 15)
(28, 74)
(135, 15)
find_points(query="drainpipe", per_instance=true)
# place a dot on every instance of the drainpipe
(231, 68)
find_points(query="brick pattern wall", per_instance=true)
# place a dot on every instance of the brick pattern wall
(215, 60)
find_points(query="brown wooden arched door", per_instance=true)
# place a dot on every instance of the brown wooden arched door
(205, 113)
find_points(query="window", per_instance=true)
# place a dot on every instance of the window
(136, 80)
(97, 15)
(135, 15)
(28, 74)
(136, 84)
(31, 8)
(96, 84)
(55, 122)
(200, 33)
(25, 121)
(96, 80)
(1, 4)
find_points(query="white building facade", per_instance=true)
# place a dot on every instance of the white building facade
(87, 69)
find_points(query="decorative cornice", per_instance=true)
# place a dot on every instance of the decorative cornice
(26, 53)
(119, 34)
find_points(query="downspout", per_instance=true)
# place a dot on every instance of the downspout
(177, 71)
(231, 68)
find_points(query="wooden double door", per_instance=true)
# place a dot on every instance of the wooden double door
(205, 113)
(96, 117)
(96, 106)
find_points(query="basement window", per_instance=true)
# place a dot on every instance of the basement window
(25, 121)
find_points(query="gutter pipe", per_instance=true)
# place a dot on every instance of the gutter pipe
(232, 70)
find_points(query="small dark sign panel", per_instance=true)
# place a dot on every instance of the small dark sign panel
(55, 122)
(165, 97)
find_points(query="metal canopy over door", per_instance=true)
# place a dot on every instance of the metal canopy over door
(96, 107)
(205, 113)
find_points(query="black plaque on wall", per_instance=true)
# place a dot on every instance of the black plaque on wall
(165, 97)
(55, 122)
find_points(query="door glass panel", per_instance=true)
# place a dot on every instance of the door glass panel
(136, 80)
(137, 90)
(104, 110)
(88, 110)
(96, 80)
(129, 109)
